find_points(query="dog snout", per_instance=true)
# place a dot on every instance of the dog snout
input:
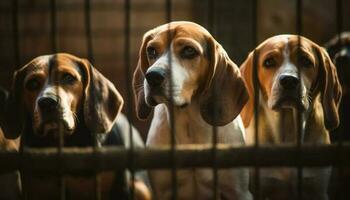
(289, 82)
(48, 103)
(155, 77)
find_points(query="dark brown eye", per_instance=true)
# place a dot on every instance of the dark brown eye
(152, 53)
(68, 78)
(189, 52)
(269, 62)
(32, 85)
(304, 61)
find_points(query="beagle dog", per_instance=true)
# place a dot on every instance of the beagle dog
(292, 80)
(63, 94)
(181, 64)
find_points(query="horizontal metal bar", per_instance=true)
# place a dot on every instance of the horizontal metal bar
(81, 160)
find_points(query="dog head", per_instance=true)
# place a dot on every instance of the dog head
(291, 77)
(52, 90)
(181, 62)
(339, 52)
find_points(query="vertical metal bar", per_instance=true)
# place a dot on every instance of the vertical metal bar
(300, 128)
(340, 182)
(256, 86)
(16, 49)
(168, 10)
(53, 63)
(211, 28)
(88, 34)
(53, 25)
(90, 56)
(129, 99)
(256, 98)
(17, 63)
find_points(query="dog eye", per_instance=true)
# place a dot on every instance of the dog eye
(304, 61)
(152, 53)
(32, 85)
(189, 52)
(269, 62)
(68, 78)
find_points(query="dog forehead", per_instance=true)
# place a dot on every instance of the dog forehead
(53, 63)
(179, 29)
(286, 42)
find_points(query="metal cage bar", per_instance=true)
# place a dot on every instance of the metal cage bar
(256, 97)
(129, 99)
(340, 134)
(90, 56)
(211, 27)
(174, 181)
(82, 159)
(53, 63)
(300, 128)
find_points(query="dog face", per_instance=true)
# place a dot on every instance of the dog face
(188, 64)
(182, 62)
(291, 77)
(53, 90)
(286, 74)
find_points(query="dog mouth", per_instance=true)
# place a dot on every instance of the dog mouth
(289, 101)
(54, 129)
(160, 95)
(154, 100)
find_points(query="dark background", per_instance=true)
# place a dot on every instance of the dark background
(233, 28)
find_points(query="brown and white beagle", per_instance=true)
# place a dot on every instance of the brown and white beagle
(206, 90)
(283, 71)
(62, 93)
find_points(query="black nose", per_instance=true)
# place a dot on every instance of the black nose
(289, 82)
(48, 103)
(155, 77)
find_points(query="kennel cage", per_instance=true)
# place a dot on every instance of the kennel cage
(63, 160)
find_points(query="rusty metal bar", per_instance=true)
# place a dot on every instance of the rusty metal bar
(173, 149)
(256, 85)
(129, 98)
(77, 160)
(53, 63)
(211, 28)
(301, 130)
(340, 133)
(90, 56)
(53, 30)
(16, 38)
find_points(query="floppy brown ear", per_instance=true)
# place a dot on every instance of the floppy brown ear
(330, 89)
(225, 93)
(12, 116)
(102, 101)
(142, 109)
(247, 73)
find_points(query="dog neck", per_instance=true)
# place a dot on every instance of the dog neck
(277, 127)
(189, 126)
